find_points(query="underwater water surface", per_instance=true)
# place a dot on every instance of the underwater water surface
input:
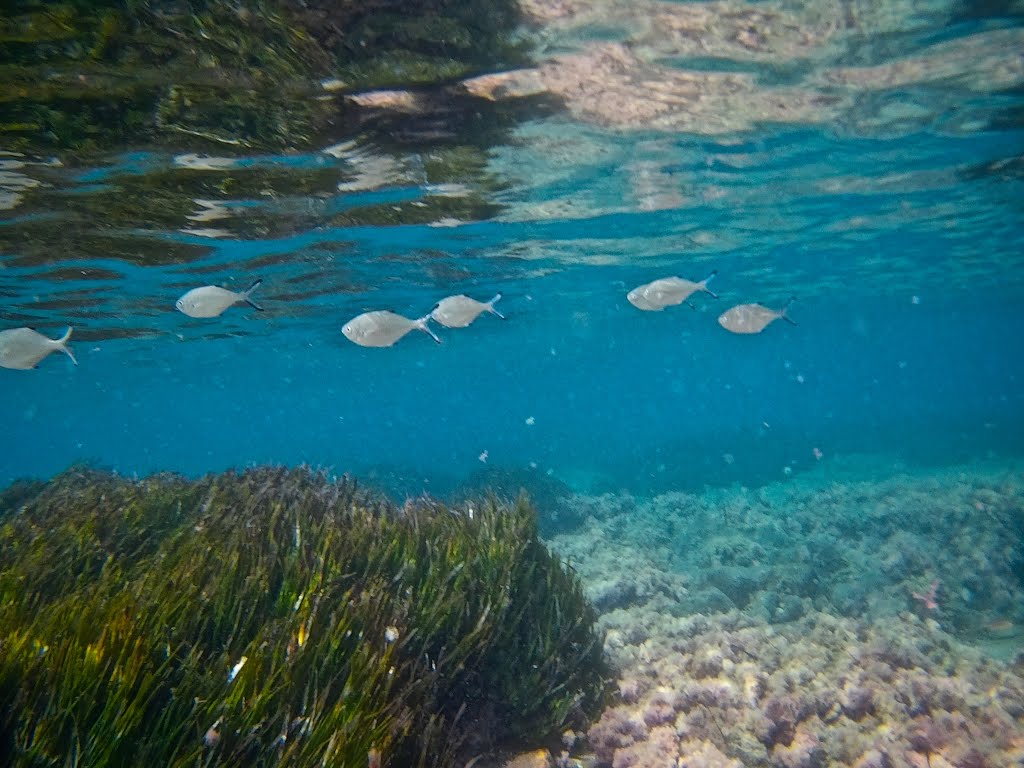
(835, 500)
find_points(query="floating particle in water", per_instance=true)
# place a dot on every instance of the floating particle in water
(915, 300)
(530, 421)
(787, 470)
(237, 668)
(390, 634)
(817, 453)
(483, 457)
(212, 737)
(533, 465)
(728, 458)
(800, 378)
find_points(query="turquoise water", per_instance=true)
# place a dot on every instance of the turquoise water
(803, 544)
(903, 254)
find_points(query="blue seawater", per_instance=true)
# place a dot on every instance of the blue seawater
(888, 204)
(908, 287)
(804, 544)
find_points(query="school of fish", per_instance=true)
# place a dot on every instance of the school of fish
(25, 348)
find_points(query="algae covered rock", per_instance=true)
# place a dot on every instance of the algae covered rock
(279, 617)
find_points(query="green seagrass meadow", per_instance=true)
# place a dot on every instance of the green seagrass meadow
(279, 617)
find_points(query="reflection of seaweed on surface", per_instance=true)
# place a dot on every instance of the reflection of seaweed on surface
(276, 617)
(240, 74)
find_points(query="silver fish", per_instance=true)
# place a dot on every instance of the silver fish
(636, 298)
(753, 318)
(459, 311)
(23, 348)
(211, 301)
(383, 328)
(667, 292)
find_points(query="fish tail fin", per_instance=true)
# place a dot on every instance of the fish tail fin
(785, 308)
(704, 284)
(62, 345)
(491, 309)
(423, 325)
(247, 295)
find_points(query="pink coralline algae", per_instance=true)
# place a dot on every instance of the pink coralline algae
(824, 691)
(661, 708)
(658, 750)
(861, 671)
(618, 728)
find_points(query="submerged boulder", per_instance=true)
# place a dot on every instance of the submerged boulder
(279, 617)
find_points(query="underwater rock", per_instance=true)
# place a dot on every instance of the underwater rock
(739, 583)
(782, 608)
(704, 754)
(539, 758)
(291, 618)
(708, 600)
(609, 595)
(825, 691)
(832, 661)
(849, 598)
(857, 549)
